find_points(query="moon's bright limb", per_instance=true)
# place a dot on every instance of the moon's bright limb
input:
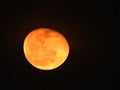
(45, 49)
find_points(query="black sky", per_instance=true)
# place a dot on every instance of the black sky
(87, 25)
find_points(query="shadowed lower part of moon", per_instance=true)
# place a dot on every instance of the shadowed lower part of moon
(45, 48)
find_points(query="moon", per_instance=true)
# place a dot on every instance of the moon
(45, 48)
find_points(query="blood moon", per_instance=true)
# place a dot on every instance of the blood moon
(45, 48)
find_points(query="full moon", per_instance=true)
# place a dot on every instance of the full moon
(45, 48)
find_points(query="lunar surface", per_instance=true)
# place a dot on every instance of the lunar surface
(45, 49)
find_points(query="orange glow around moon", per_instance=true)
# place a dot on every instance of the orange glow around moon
(45, 49)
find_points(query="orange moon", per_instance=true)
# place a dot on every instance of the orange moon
(45, 48)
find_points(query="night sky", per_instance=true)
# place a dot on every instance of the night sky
(87, 25)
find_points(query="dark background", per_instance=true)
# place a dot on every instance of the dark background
(87, 25)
